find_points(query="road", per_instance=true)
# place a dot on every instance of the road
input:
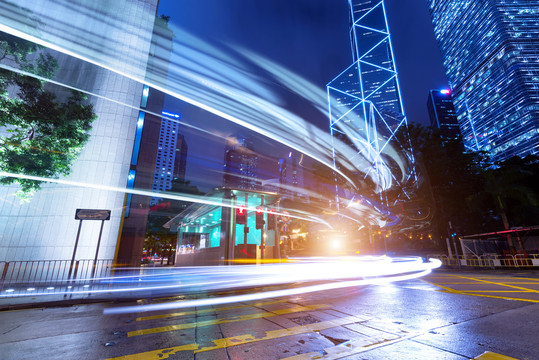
(445, 315)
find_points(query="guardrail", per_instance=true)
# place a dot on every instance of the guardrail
(50, 272)
(490, 261)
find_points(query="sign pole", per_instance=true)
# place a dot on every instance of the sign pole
(97, 249)
(74, 251)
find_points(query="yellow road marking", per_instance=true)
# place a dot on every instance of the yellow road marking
(258, 315)
(500, 284)
(205, 311)
(240, 340)
(502, 297)
(474, 292)
(495, 291)
(348, 348)
(487, 355)
(447, 289)
(273, 334)
(157, 354)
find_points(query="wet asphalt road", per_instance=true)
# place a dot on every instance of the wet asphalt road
(460, 315)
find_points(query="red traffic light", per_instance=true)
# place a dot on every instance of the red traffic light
(241, 215)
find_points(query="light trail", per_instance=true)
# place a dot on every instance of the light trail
(393, 271)
(216, 80)
(333, 273)
(183, 197)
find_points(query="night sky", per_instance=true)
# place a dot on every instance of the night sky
(311, 38)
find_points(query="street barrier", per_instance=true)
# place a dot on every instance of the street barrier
(490, 261)
(52, 273)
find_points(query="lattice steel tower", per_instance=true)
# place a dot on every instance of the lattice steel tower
(364, 100)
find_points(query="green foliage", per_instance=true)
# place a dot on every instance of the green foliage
(40, 135)
(472, 193)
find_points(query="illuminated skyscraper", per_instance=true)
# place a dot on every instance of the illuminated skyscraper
(291, 176)
(171, 156)
(442, 114)
(365, 104)
(489, 50)
(241, 165)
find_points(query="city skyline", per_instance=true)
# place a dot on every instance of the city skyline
(317, 47)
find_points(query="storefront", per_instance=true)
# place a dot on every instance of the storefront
(213, 233)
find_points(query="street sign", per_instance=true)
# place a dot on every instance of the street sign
(284, 216)
(92, 214)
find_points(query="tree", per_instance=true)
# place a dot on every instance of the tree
(157, 237)
(454, 177)
(510, 194)
(39, 134)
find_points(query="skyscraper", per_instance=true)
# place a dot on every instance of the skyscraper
(171, 157)
(291, 176)
(489, 51)
(365, 105)
(442, 114)
(241, 165)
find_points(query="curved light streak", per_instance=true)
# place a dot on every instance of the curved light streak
(217, 81)
(418, 272)
(334, 273)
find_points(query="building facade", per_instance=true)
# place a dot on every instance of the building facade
(442, 114)
(148, 140)
(45, 227)
(489, 51)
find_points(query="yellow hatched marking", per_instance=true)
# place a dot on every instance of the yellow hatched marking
(258, 315)
(206, 311)
(495, 291)
(474, 293)
(488, 355)
(502, 297)
(500, 284)
(240, 340)
(447, 289)
(460, 283)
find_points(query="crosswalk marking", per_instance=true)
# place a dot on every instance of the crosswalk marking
(259, 315)
(240, 340)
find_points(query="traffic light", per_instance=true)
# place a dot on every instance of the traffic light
(271, 219)
(259, 218)
(241, 215)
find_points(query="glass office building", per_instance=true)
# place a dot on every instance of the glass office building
(442, 114)
(490, 54)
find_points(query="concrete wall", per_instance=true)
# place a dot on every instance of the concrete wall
(45, 228)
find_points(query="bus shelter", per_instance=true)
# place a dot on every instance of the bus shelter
(228, 226)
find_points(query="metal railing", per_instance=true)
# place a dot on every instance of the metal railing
(52, 272)
(490, 261)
